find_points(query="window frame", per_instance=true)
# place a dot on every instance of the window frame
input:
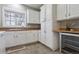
(16, 11)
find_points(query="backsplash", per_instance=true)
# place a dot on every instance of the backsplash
(33, 26)
(72, 23)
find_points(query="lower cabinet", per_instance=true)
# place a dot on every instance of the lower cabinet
(2, 43)
(32, 36)
(10, 40)
(21, 37)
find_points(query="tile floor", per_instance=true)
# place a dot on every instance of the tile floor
(36, 48)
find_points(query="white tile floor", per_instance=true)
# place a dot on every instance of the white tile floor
(36, 48)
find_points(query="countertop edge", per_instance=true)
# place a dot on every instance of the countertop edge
(65, 31)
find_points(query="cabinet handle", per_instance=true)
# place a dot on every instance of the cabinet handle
(69, 14)
(1, 35)
(44, 31)
(15, 36)
(43, 20)
(65, 15)
(33, 34)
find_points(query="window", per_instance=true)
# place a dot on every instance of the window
(14, 19)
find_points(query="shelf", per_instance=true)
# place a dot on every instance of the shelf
(64, 51)
(69, 50)
(71, 46)
(73, 43)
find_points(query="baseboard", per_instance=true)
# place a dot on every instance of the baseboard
(23, 44)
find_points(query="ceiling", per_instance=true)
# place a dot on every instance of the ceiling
(36, 6)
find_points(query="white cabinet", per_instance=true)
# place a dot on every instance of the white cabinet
(73, 10)
(67, 11)
(49, 34)
(47, 22)
(43, 13)
(43, 24)
(61, 11)
(33, 36)
(2, 43)
(49, 13)
(13, 39)
(21, 37)
(43, 33)
(10, 41)
(33, 16)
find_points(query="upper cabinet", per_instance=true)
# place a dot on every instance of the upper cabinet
(46, 14)
(49, 14)
(67, 11)
(73, 10)
(61, 11)
(43, 13)
(33, 16)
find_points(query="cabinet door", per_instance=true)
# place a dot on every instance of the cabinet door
(61, 11)
(43, 32)
(43, 37)
(43, 13)
(9, 39)
(32, 36)
(74, 10)
(36, 35)
(49, 33)
(2, 43)
(18, 38)
(43, 25)
(21, 37)
(13, 39)
(49, 13)
(33, 16)
(25, 37)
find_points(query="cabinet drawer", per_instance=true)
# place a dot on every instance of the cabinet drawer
(73, 38)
